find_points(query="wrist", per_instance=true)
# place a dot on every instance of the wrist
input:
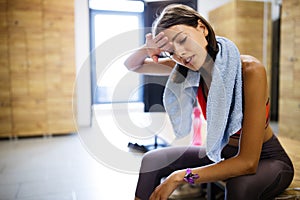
(190, 177)
(149, 52)
(145, 51)
(178, 177)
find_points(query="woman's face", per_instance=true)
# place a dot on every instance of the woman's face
(188, 45)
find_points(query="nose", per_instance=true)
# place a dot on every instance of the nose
(179, 50)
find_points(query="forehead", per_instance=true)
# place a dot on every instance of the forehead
(177, 29)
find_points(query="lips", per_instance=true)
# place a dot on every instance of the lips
(188, 60)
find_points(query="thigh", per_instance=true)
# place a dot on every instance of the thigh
(174, 158)
(270, 179)
(157, 164)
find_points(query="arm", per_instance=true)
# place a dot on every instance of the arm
(246, 161)
(252, 138)
(145, 59)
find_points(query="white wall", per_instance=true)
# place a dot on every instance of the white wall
(83, 69)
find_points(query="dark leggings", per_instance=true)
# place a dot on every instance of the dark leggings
(274, 173)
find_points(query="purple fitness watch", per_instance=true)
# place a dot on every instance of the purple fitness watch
(190, 177)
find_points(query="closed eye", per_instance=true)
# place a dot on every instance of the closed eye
(183, 40)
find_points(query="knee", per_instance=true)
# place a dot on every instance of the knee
(146, 160)
(152, 161)
(150, 157)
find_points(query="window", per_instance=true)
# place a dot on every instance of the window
(108, 23)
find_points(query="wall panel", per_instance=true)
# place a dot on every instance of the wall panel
(289, 96)
(37, 67)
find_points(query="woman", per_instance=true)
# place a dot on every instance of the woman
(232, 91)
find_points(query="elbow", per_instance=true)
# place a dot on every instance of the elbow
(127, 65)
(247, 165)
(130, 66)
(250, 167)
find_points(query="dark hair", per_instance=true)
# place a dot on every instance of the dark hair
(175, 14)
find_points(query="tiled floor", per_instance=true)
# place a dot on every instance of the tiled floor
(58, 168)
(65, 167)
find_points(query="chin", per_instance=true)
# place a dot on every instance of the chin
(193, 68)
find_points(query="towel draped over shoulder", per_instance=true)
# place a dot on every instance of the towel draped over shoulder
(224, 101)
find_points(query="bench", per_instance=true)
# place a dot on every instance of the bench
(292, 147)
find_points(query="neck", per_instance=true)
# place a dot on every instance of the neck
(206, 70)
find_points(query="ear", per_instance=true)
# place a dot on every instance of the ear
(201, 27)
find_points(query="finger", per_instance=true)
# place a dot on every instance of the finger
(152, 197)
(155, 58)
(168, 47)
(161, 43)
(158, 37)
(148, 36)
(155, 194)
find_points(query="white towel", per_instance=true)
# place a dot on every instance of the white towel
(224, 102)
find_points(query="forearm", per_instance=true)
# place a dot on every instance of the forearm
(226, 169)
(139, 62)
(136, 59)
(152, 68)
(216, 172)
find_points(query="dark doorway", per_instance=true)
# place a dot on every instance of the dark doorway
(275, 69)
(154, 85)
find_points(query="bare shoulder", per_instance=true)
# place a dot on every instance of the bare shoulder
(252, 67)
(254, 77)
